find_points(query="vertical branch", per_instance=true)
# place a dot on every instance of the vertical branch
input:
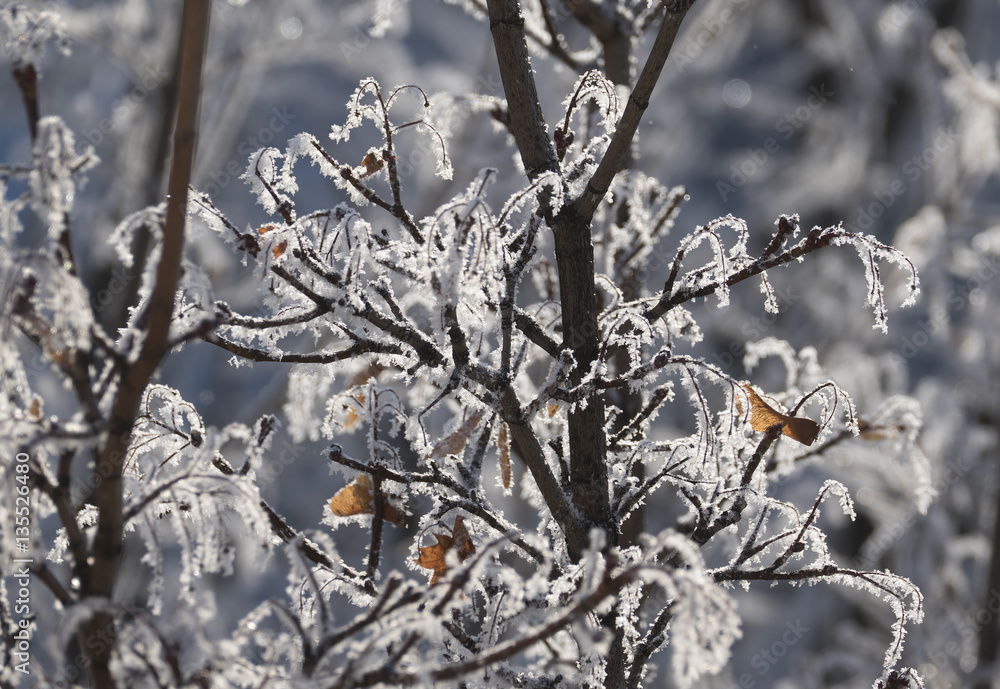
(526, 121)
(608, 26)
(27, 81)
(101, 572)
(574, 248)
(575, 259)
(989, 634)
(628, 123)
(378, 524)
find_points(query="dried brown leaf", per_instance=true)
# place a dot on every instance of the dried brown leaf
(352, 415)
(354, 498)
(35, 407)
(372, 164)
(503, 444)
(435, 556)
(454, 442)
(763, 417)
(358, 497)
(463, 541)
(372, 370)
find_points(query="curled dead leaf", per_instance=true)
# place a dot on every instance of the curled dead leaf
(352, 418)
(60, 357)
(503, 445)
(434, 557)
(35, 407)
(463, 541)
(372, 370)
(279, 249)
(352, 415)
(454, 442)
(372, 164)
(358, 497)
(763, 417)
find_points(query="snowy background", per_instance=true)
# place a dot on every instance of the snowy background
(883, 116)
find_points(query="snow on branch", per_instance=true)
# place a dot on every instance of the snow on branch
(717, 277)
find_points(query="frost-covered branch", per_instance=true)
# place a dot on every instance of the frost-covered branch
(638, 100)
(527, 123)
(817, 238)
(608, 587)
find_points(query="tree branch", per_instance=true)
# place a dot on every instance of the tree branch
(526, 120)
(99, 578)
(608, 27)
(817, 239)
(628, 123)
(609, 586)
(524, 438)
(326, 357)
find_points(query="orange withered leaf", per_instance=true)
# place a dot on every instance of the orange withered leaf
(358, 497)
(352, 418)
(352, 415)
(394, 515)
(35, 408)
(463, 541)
(763, 417)
(264, 229)
(372, 164)
(503, 444)
(434, 556)
(279, 249)
(454, 442)
(354, 498)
